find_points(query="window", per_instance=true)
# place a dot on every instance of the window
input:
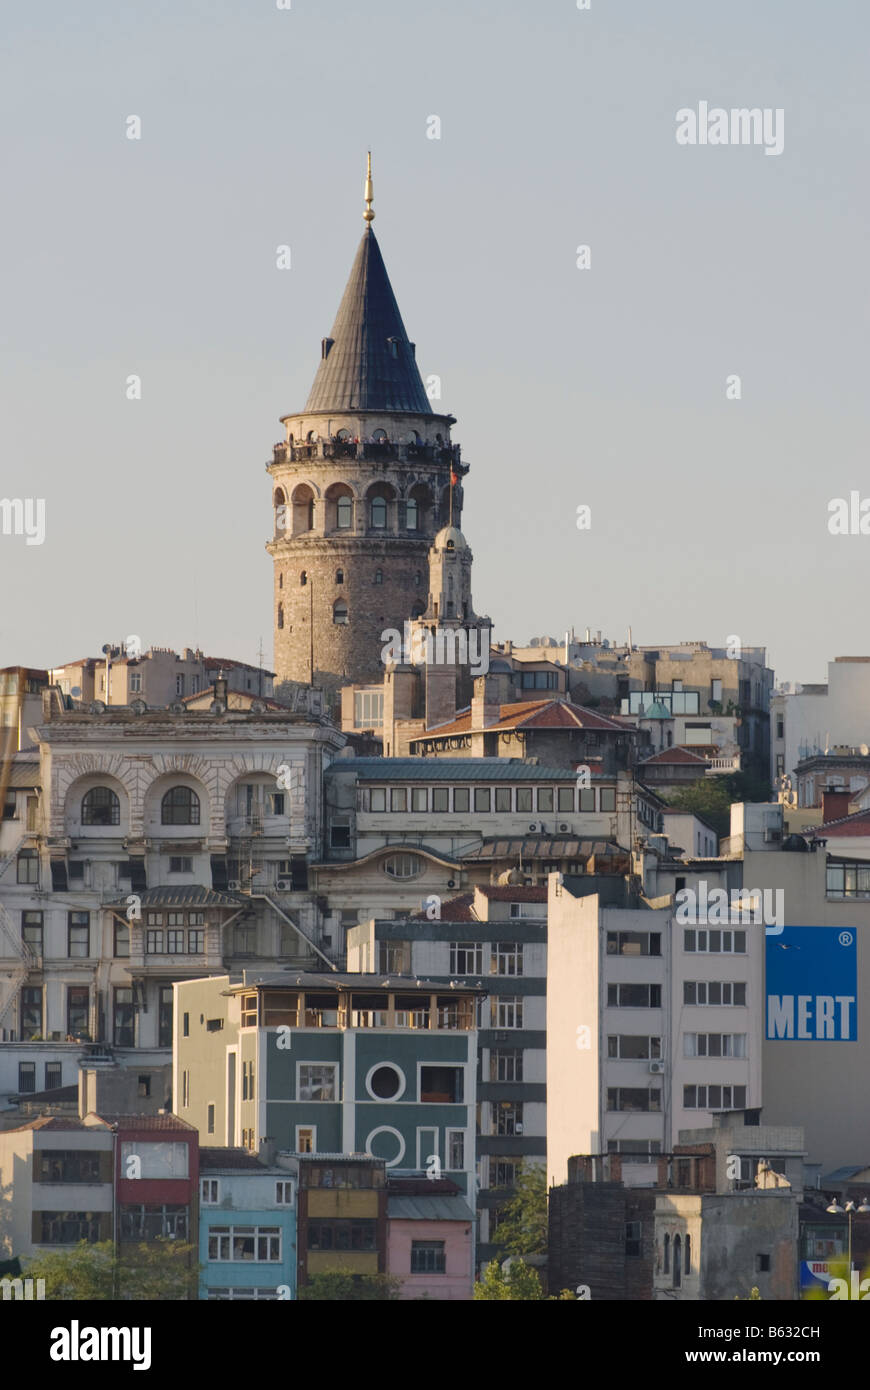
(141, 1221)
(419, 798)
(30, 1023)
(441, 1085)
(31, 931)
(630, 996)
(342, 1234)
(634, 1098)
(714, 1044)
(180, 806)
(65, 1165)
(180, 864)
(507, 958)
(762, 1264)
(566, 798)
(545, 798)
(248, 1080)
(158, 1160)
(687, 1260)
(339, 836)
(716, 697)
(466, 958)
(607, 799)
(440, 798)
(527, 909)
(164, 1018)
(502, 798)
(194, 680)
(715, 942)
(666, 1263)
(633, 1238)
(100, 806)
(123, 1017)
(77, 1010)
(507, 1117)
(144, 1086)
(506, 1064)
(482, 799)
(523, 798)
(678, 1266)
(368, 711)
(386, 1082)
(284, 1193)
(9, 807)
(503, 1171)
(196, 943)
(403, 866)
(639, 1150)
(507, 1011)
(428, 1257)
(28, 867)
(210, 1119)
(455, 1150)
(398, 799)
(587, 799)
(634, 943)
(78, 935)
(709, 992)
(539, 680)
(68, 1227)
(27, 1078)
(411, 514)
(379, 576)
(306, 1139)
(317, 1081)
(185, 1025)
(714, 1097)
(848, 880)
(378, 799)
(154, 942)
(122, 939)
(378, 513)
(461, 798)
(629, 1047)
(210, 1191)
(53, 1075)
(344, 513)
(174, 942)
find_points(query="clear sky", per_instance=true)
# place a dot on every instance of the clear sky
(604, 387)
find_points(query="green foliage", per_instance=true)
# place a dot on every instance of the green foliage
(523, 1229)
(519, 1284)
(162, 1270)
(343, 1286)
(712, 797)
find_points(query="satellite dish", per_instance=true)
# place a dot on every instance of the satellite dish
(864, 750)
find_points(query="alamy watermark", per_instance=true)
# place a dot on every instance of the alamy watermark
(740, 126)
(741, 907)
(23, 517)
(448, 646)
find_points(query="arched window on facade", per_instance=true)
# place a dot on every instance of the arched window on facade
(100, 806)
(303, 578)
(412, 514)
(339, 613)
(379, 576)
(688, 1256)
(180, 806)
(344, 513)
(280, 615)
(678, 1267)
(339, 576)
(379, 513)
(667, 1255)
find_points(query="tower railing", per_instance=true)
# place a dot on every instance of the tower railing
(377, 451)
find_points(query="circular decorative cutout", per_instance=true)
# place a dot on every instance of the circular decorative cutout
(386, 1129)
(385, 1082)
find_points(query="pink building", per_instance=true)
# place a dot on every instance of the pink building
(430, 1240)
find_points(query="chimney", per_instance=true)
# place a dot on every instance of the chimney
(220, 687)
(835, 803)
(268, 1151)
(485, 708)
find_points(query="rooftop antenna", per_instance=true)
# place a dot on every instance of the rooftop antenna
(368, 215)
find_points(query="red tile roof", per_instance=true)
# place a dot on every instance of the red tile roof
(844, 828)
(147, 1122)
(529, 714)
(501, 893)
(229, 1158)
(52, 1122)
(454, 910)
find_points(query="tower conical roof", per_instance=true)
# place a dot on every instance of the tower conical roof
(369, 363)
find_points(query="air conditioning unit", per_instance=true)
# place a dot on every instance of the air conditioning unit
(564, 825)
(234, 885)
(657, 1067)
(771, 836)
(534, 825)
(284, 885)
(451, 883)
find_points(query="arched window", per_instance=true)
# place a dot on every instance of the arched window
(380, 436)
(379, 576)
(100, 806)
(344, 513)
(343, 435)
(403, 866)
(667, 1263)
(678, 1267)
(418, 579)
(280, 581)
(311, 515)
(280, 615)
(688, 1260)
(339, 576)
(379, 513)
(180, 806)
(412, 514)
(303, 578)
(339, 613)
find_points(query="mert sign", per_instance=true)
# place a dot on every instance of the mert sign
(812, 990)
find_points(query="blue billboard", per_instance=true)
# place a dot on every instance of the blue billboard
(812, 975)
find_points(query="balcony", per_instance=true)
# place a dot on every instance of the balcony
(375, 451)
(716, 767)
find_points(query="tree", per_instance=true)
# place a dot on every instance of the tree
(517, 1284)
(712, 797)
(523, 1228)
(164, 1270)
(343, 1286)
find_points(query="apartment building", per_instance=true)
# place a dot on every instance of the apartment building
(148, 846)
(496, 935)
(332, 1063)
(159, 676)
(247, 1227)
(652, 1024)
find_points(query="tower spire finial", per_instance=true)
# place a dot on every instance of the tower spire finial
(368, 215)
